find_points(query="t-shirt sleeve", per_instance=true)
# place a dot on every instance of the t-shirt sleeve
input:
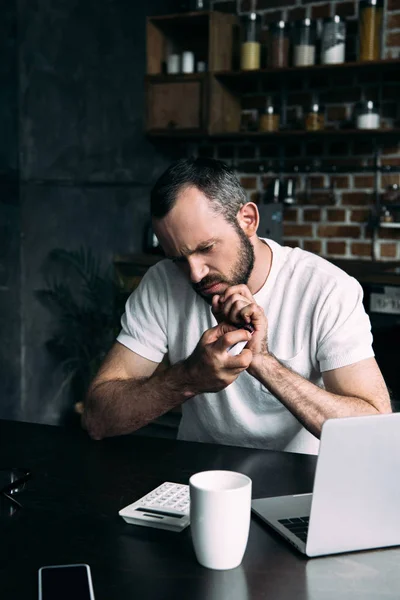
(144, 321)
(344, 327)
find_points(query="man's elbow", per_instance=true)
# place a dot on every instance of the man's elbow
(91, 421)
(92, 425)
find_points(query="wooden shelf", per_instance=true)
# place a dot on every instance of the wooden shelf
(299, 133)
(183, 16)
(165, 78)
(130, 268)
(276, 135)
(364, 65)
(208, 105)
(373, 65)
(177, 134)
(238, 76)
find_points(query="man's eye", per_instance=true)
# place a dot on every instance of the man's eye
(183, 259)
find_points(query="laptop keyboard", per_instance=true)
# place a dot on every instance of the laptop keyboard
(297, 525)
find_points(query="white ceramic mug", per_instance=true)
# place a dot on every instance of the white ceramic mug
(220, 507)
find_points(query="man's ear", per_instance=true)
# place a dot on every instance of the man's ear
(249, 218)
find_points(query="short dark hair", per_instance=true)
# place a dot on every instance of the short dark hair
(214, 178)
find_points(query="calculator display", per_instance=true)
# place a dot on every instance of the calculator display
(159, 512)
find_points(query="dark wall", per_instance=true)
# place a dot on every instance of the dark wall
(9, 215)
(85, 166)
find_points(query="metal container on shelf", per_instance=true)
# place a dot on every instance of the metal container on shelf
(333, 40)
(250, 49)
(304, 42)
(278, 45)
(289, 195)
(370, 29)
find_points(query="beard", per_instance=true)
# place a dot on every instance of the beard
(239, 273)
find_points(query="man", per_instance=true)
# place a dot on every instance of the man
(308, 358)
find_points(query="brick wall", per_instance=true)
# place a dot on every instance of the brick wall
(332, 211)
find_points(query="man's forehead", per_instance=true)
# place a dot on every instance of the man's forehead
(190, 192)
(191, 249)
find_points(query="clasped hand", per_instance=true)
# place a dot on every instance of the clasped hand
(211, 367)
(238, 307)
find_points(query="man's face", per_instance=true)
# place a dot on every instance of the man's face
(213, 253)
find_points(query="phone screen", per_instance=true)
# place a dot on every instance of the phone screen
(65, 582)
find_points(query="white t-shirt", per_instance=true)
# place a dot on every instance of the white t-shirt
(316, 322)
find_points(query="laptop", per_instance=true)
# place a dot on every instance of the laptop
(355, 502)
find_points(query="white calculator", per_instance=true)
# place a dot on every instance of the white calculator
(165, 507)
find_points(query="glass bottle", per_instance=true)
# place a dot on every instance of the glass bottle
(333, 41)
(250, 55)
(370, 29)
(190, 5)
(305, 34)
(278, 45)
(269, 118)
(392, 194)
(315, 118)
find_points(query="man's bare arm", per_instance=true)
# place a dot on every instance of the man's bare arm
(122, 403)
(357, 389)
(130, 391)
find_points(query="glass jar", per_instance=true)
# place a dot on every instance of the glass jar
(196, 5)
(386, 216)
(269, 118)
(250, 55)
(333, 41)
(278, 45)
(304, 41)
(249, 119)
(315, 118)
(392, 194)
(370, 29)
(367, 115)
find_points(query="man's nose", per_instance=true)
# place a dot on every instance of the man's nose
(197, 269)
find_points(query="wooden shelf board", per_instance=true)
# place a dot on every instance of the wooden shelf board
(177, 134)
(302, 133)
(275, 134)
(373, 64)
(180, 16)
(237, 76)
(166, 78)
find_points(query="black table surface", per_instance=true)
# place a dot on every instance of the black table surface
(70, 515)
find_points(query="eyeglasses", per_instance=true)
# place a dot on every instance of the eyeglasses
(12, 481)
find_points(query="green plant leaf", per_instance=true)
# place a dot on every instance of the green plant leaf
(82, 299)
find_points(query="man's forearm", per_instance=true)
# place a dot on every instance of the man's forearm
(310, 404)
(119, 407)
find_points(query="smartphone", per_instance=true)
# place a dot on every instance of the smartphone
(65, 582)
